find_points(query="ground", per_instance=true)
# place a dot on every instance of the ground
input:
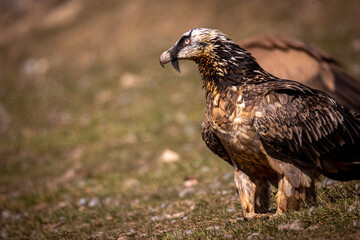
(99, 142)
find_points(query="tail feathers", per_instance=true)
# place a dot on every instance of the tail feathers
(344, 164)
(351, 173)
(347, 90)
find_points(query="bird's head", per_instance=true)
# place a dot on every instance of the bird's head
(221, 62)
(197, 44)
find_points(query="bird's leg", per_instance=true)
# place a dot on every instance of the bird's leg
(289, 197)
(254, 194)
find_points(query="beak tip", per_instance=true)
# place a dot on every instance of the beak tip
(164, 58)
(161, 64)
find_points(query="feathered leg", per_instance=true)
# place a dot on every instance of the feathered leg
(289, 197)
(254, 194)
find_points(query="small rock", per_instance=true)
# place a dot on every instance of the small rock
(36, 66)
(131, 182)
(186, 192)
(228, 175)
(81, 202)
(113, 202)
(191, 204)
(5, 214)
(169, 156)
(123, 238)
(351, 209)
(254, 235)
(175, 215)
(150, 208)
(132, 232)
(108, 201)
(130, 80)
(328, 182)
(61, 204)
(355, 223)
(81, 183)
(190, 182)
(155, 218)
(311, 210)
(95, 202)
(4, 234)
(188, 232)
(215, 184)
(205, 169)
(313, 227)
(98, 235)
(213, 228)
(225, 192)
(295, 225)
(230, 209)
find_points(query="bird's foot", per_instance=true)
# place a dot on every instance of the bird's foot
(276, 214)
(252, 216)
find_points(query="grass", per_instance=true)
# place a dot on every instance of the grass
(87, 119)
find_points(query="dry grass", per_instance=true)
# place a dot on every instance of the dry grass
(86, 113)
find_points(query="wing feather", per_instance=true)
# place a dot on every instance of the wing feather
(300, 126)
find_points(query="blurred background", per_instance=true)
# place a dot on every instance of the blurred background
(88, 118)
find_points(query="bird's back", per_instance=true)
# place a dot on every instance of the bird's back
(294, 59)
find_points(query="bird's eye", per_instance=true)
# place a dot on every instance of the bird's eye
(187, 41)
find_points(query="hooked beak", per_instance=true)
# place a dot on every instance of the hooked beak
(166, 57)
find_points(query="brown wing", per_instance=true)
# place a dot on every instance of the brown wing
(293, 59)
(213, 143)
(307, 128)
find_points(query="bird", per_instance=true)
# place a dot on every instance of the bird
(272, 131)
(291, 58)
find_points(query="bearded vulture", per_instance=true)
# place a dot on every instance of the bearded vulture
(290, 58)
(271, 130)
